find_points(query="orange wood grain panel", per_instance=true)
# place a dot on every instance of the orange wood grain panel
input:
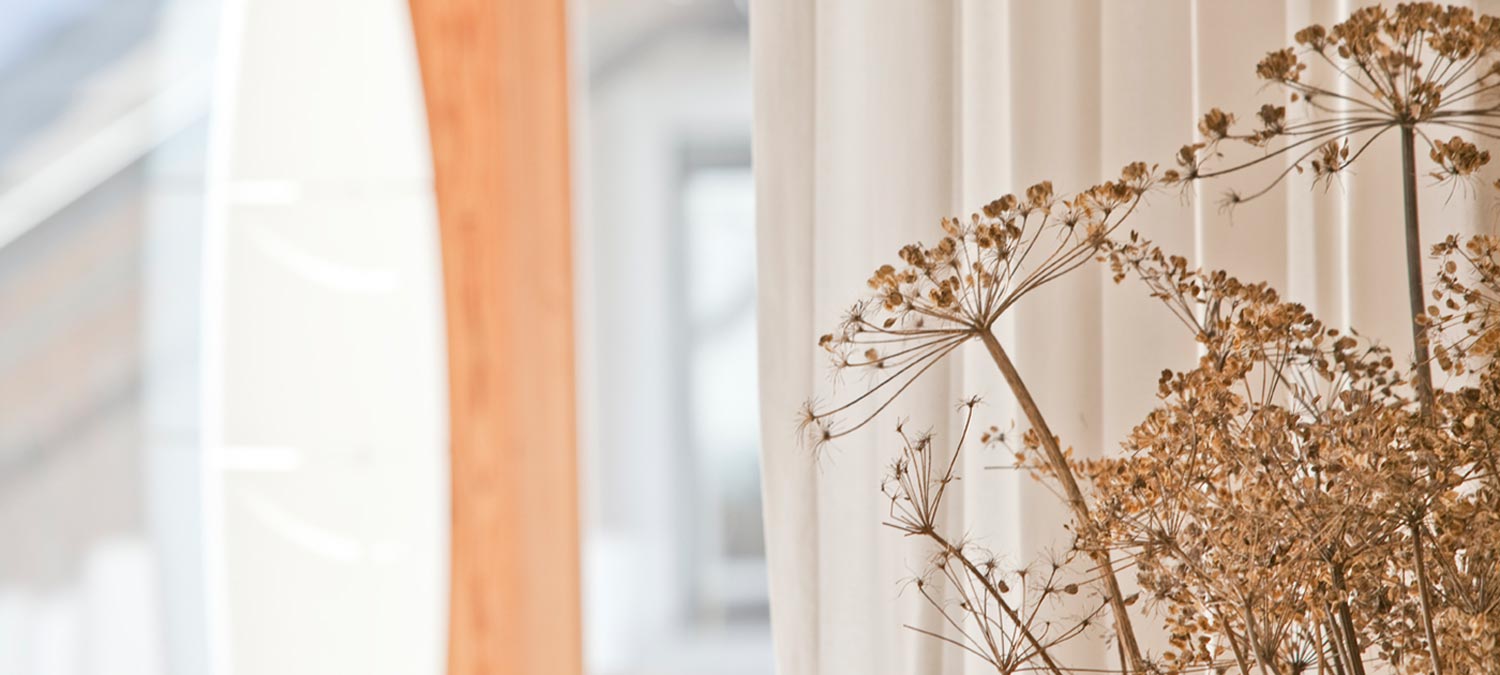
(494, 74)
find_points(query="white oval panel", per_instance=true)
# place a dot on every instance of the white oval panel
(324, 371)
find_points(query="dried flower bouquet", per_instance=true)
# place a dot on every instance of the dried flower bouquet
(1302, 501)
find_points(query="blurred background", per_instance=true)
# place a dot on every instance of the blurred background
(674, 560)
(102, 156)
(189, 450)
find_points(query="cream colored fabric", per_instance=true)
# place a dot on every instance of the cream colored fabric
(873, 119)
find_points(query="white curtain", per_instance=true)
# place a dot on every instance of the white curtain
(873, 119)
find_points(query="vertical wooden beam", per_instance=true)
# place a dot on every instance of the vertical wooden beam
(495, 77)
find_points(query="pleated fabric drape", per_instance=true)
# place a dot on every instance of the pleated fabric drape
(875, 119)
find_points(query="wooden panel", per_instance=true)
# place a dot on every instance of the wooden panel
(495, 77)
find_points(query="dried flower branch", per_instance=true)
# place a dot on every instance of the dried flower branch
(946, 295)
(1420, 68)
(996, 613)
(1468, 284)
(1299, 502)
(1425, 69)
(1291, 505)
(1251, 496)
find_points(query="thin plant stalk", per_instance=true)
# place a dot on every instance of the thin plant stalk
(1010, 612)
(1124, 632)
(1425, 395)
(1425, 596)
(1414, 294)
(1346, 622)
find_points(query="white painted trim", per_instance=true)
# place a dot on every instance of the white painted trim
(211, 343)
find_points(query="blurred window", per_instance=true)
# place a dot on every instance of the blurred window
(674, 556)
(101, 149)
(723, 442)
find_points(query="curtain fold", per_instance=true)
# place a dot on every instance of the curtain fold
(875, 119)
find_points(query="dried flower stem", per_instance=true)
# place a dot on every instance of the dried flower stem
(1064, 474)
(1422, 356)
(1346, 620)
(1414, 294)
(1010, 612)
(1264, 664)
(1424, 595)
(1239, 655)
